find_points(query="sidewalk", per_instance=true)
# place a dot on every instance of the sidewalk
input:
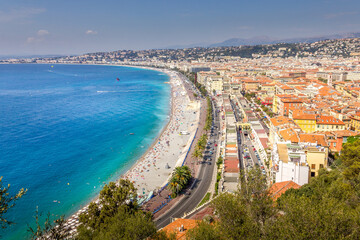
(162, 201)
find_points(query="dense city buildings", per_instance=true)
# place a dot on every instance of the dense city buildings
(286, 108)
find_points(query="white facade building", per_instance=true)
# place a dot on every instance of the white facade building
(290, 163)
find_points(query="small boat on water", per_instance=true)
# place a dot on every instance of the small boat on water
(132, 133)
(118, 79)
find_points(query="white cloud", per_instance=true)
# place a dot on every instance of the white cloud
(40, 36)
(15, 14)
(30, 40)
(42, 32)
(91, 32)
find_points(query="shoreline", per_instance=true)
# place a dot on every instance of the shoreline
(73, 221)
(156, 139)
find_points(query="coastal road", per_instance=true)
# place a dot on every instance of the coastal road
(200, 187)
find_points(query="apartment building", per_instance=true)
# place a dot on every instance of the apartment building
(329, 123)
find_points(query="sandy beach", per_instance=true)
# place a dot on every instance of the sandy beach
(152, 171)
(168, 151)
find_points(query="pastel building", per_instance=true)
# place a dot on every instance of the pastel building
(329, 123)
(307, 122)
(290, 164)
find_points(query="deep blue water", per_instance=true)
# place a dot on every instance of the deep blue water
(65, 131)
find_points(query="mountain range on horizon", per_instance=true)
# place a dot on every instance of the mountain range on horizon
(261, 40)
(232, 42)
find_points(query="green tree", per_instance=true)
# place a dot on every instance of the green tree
(304, 218)
(198, 154)
(352, 139)
(111, 198)
(175, 186)
(179, 180)
(202, 142)
(7, 201)
(326, 208)
(350, 158)
(117, 216)
(50, 229)
(203, 231)
(125, 224)
(234, 218)
(243, 215)
(219, 161)
(183, 174)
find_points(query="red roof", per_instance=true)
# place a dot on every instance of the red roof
(329, 120)
(277, 189)
(231, 166)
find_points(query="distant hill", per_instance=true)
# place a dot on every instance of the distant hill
(266, 40)
(194, 45)
(260, 40)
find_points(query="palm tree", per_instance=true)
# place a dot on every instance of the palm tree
(197, 153)
(202, 142)
(183, 174)
(174, 185)
(180, 179)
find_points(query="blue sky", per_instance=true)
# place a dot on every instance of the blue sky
(77, 26)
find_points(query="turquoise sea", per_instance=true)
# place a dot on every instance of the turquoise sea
(65, 132)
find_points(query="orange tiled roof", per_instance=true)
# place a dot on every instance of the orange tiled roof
(313, 138)
(175, 227)
(289, 135)
(329, 120)
(277, 189)
(292, 100)
(276, 121)
(343, 133)
(303, 116)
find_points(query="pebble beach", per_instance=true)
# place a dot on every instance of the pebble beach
(153, 170)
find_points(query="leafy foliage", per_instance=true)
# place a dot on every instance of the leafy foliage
(125, 224)
(219, 161)
(203, 231)
(50, 230)
(352, 139)
(350, 158)
(179, 180)
(326, 208)
(200, 147)
(117, 215)
(111, 200)
(209, 115)
(242, 215)
(7, 201)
